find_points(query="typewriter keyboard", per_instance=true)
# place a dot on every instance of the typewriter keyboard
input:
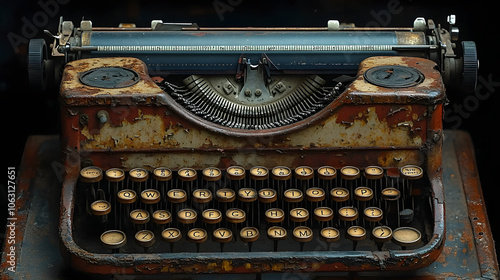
(255, 210)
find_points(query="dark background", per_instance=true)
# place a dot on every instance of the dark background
(27, 112)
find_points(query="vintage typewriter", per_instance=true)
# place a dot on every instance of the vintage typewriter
(195, 150)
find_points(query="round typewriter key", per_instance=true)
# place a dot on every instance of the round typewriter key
(315, 194)
(329, 234)
(235, 215)
(162, 174)
(411, 172)
(222, 235)
(299, 215)
(171, 235)
(267, 195)
(249, 235)
(162, 217)
(390, 194)
(211, 216)
(115, 175)
(304, 172)
(187, 174)
(339, 194)
(176, 195)
(373, 214)
(138, 174)
(145, 238)
(327, 173)
(406, 236)
(380, 235)
(259, 173)
(302, 234)
(374, 172)
(126, 196)
(211, 174)
(356, 233)
(114, 239)
(139, 216)
(348, 213)
(91, 174)
(235, 172)
(187, 216)
(293, 195)
(276, 234)
(349, 173)
(150, 196)
(197, 235)
(363, 194)
(247, 195)
(323, 214)
(225, 195)
(281, 173)
(100, 207)
(202, 195)
(275, 215)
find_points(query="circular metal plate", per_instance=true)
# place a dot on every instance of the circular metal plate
(110, 77)
(393, 76)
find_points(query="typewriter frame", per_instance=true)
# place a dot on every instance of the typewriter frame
(82, 145)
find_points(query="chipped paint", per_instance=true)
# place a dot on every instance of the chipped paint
(365, 125)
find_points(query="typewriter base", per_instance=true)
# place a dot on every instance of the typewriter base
(469, 250)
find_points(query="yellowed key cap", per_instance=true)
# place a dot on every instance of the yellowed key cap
(100, 207)
(411, 172)
(162, 217)
(304, 172)
(374, 172)
(113, 239)
(115, 175)
(91, 174)
(259, 173)
(211, 174)
(406, 236)
(327, 173)
(281, 173)
(150, 196)
(138, 175)
(162, 174)
(235, 173)
(139, 216)
(145, 238)
(187, 174)
(348, 213)
(126, 196)
(349, 172)
(274, 215)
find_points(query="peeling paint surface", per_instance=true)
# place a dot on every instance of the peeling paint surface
(365, 125)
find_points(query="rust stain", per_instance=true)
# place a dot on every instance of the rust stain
(366, 125)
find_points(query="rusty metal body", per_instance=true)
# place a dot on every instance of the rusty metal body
(468, 252)
(145, 127)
